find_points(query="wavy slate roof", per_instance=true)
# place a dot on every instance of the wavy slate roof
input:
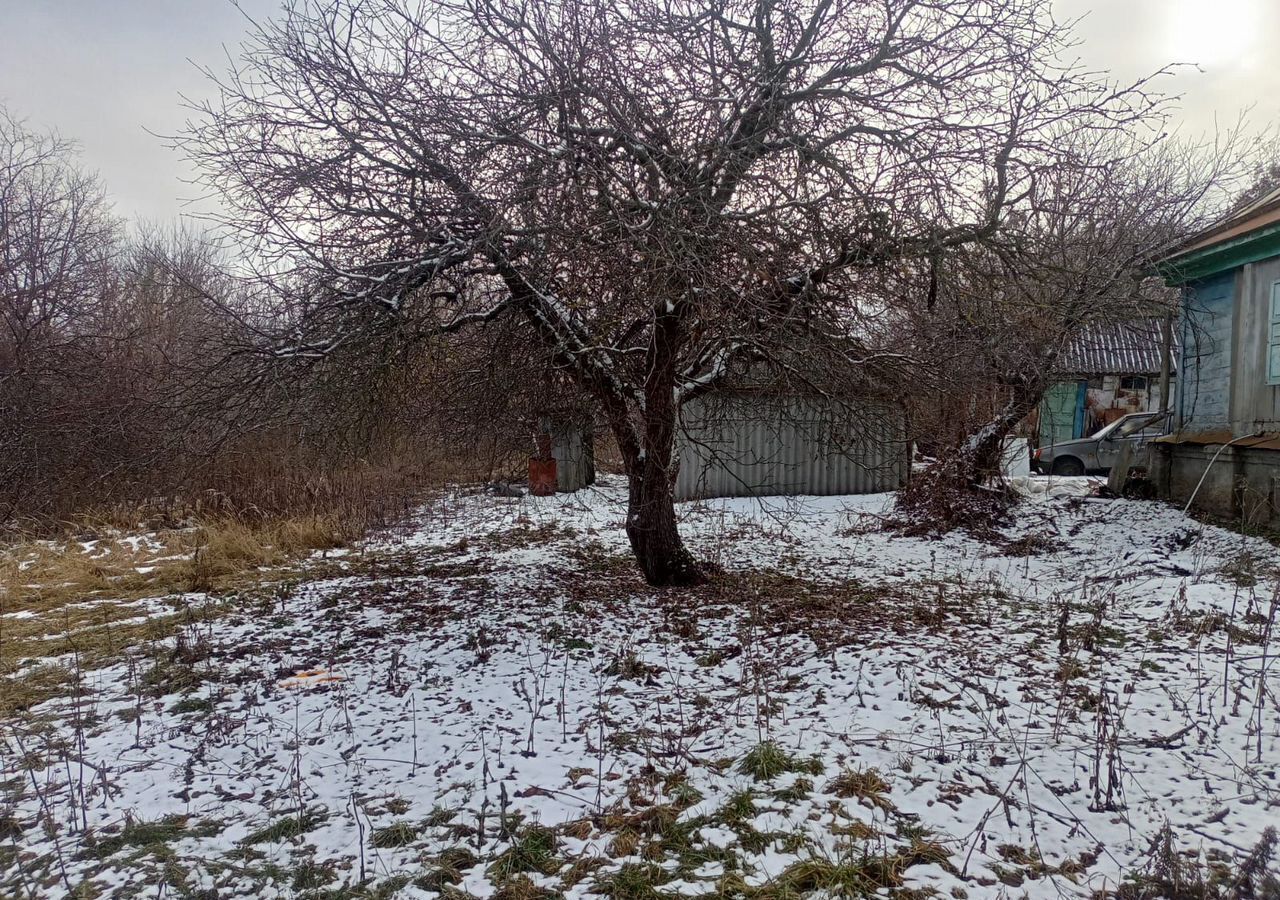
(1126, 348)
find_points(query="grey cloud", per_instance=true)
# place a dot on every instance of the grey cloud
(104, 72)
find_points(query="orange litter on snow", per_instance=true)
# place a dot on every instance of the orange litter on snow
(308, 678)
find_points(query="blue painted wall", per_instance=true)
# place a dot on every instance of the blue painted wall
(1204, 385)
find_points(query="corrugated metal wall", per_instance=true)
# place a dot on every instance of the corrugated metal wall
(755, 446)
(572, 449)
(575, 459)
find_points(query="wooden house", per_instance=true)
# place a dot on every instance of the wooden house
(1223, 455)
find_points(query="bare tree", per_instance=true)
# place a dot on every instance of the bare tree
(657, 188)
(121, 383)
(1081, 249)
(58, 239)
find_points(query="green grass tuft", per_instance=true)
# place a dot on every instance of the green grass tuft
(767, 760)
(533, 849)
(397, 834)
(634, 881)
(797, 791)
(287, 828)
(739, 807)
(143, 834)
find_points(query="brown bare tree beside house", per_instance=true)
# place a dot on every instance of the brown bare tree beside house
(1077, 251)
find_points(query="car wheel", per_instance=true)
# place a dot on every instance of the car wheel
(1068, 465)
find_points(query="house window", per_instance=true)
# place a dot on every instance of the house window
(1273, 337)
(1133, 382)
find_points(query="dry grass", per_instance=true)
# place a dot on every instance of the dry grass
(37, 575)
(102, 592)
(90, 574)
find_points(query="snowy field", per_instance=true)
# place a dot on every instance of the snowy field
(491, 703)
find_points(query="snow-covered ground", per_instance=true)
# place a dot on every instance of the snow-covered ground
(493, 703)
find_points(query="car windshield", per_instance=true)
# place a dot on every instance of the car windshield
(1127, 426)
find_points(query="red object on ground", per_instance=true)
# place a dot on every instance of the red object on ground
(542, 477)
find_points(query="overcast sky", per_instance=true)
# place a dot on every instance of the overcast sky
(105, 72)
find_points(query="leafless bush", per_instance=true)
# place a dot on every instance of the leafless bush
(1176, 874)
(125, 393)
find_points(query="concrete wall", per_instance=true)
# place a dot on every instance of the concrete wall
(1240, 484)
(741, 445)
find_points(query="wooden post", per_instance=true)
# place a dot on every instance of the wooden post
(1166, 359)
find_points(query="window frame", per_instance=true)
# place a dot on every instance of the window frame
(1273, 335)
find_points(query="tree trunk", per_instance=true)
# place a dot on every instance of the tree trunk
(980, 457)
(951, 493)
(647, 445)
(652, 463)
(651, 528)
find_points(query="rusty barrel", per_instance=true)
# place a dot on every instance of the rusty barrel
(542, 476)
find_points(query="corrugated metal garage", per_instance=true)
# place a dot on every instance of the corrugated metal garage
(755, 445)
